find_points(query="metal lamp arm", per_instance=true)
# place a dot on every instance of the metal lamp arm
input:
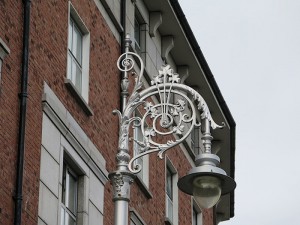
(148, 146)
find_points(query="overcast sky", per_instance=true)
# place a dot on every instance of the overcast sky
(253, 50)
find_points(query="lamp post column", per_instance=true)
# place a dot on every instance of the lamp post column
(163, 119)
(122, 178)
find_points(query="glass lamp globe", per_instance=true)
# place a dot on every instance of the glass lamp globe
(206, 191)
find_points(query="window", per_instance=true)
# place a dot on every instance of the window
(4, 50)
(132, 222)
(197, 215)
(69, 197)
(135, 218)
(195, 143)
(139, 32)
(78, 56)
(75, 55)
(169, 194)
(71, 186)
(195, 218)
(138, 136)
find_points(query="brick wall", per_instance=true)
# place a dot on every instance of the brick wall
(10, 32)
(48, 58)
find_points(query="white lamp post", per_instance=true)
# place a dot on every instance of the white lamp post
(168, 118)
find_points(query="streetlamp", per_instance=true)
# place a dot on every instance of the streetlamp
(172, 117)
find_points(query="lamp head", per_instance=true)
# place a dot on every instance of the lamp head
(206, 182)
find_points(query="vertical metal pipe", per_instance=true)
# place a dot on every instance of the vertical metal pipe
(124, 76)
(122, 178)
(125, 81)
(121, 213)
(22, 117)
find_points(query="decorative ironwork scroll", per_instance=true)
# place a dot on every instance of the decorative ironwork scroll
(164, 123)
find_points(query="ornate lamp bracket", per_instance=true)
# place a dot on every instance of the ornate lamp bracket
(173, 117)
(167, 115)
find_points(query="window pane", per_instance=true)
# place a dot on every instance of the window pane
(137, 31)
(70, 34)
(63, 199)
(169, 209)
(74, 42)
(69, 72)
(138, 135)
(77, 44)
(69, 220)
(194, 217)
(78, 78)
(74, 71)
(169, 184)
(72, 193)
(79, 49)
(195, 137)
(62, 217)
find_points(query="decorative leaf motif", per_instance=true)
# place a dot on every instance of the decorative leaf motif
(174, 78)
(180, 105)
(166, 70)
(144, 146)
(174, 112)
(178, 130)
(149, 108)
(157, 80)
(170, 142)
(150, 132)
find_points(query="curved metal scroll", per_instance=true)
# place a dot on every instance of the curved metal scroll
(164, 124)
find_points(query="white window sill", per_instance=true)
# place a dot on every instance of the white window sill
(143, 187)
(78, 97)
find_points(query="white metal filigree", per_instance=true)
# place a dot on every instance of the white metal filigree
(163, 124)
(166, 113)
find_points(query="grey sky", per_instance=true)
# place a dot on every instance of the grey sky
(253, 50)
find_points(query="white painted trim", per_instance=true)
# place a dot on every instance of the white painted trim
(110, 18)
(85, 51)
(198, 210)
(4, 50)
(169, 164)
(74, 134)
(135, 217)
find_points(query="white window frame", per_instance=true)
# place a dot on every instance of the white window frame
(139, 26)
(4, 51)
(197, 213)
(74, 58)
(169, 199)
(85, 53)
(67, 173)
(195, 140)
(173, 218)
(64, 140)
(135, 218)
(137, 32)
